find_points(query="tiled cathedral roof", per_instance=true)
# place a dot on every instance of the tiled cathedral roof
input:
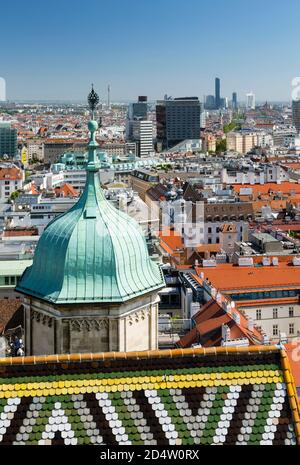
(181, 397)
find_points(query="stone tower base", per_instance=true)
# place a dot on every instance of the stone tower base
(84, 328)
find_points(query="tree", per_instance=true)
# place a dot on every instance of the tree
(221, 146)
(14, 195)
(229, 127)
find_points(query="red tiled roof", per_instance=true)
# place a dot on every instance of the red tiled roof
(171, 239)
(228, 277)
(67, 190)
(212, 317)
(10, 174)
(208, 248)
(285, 187)
(15, 232)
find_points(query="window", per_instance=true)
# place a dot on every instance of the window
(275, 330)
(275, 313)
(291, 312)
(209, 230)
(6, 280)
(258, 314)
(291, 329)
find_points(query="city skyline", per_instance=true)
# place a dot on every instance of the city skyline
(51, 61)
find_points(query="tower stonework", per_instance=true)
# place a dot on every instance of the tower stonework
(60, 329)
(92, 286)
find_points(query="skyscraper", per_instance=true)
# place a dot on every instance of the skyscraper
(250, 101)
(177, 120)
(210, 102)
(138, 109)
(142, 133)
(8, 139)
(138, 128)
(296, 114)
(218, 93)
(234, 101)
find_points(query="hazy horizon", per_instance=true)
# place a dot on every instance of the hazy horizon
(56, 49)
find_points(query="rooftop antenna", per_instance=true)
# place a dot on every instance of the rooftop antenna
(108, 96)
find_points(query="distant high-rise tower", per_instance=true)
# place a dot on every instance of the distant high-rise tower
(250, 101)
(234, 101)
(108, 96)
(218, 93)
(210, 102)
(296, 114)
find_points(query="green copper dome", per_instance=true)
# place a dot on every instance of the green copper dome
(92, 253)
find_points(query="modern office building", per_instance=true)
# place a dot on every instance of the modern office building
(177, 119)
(136, 111)
(234, 101)
(224, 103)
(8, 139)
(142, 133)
(218, 93)
(296, 114)
(210, 103)
(138, 128)
(202, 117)
(250, 101)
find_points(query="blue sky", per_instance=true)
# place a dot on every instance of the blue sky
(55, 49)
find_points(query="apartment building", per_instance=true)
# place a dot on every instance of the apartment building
(267, 294)
(11, 180)
(241, 142)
